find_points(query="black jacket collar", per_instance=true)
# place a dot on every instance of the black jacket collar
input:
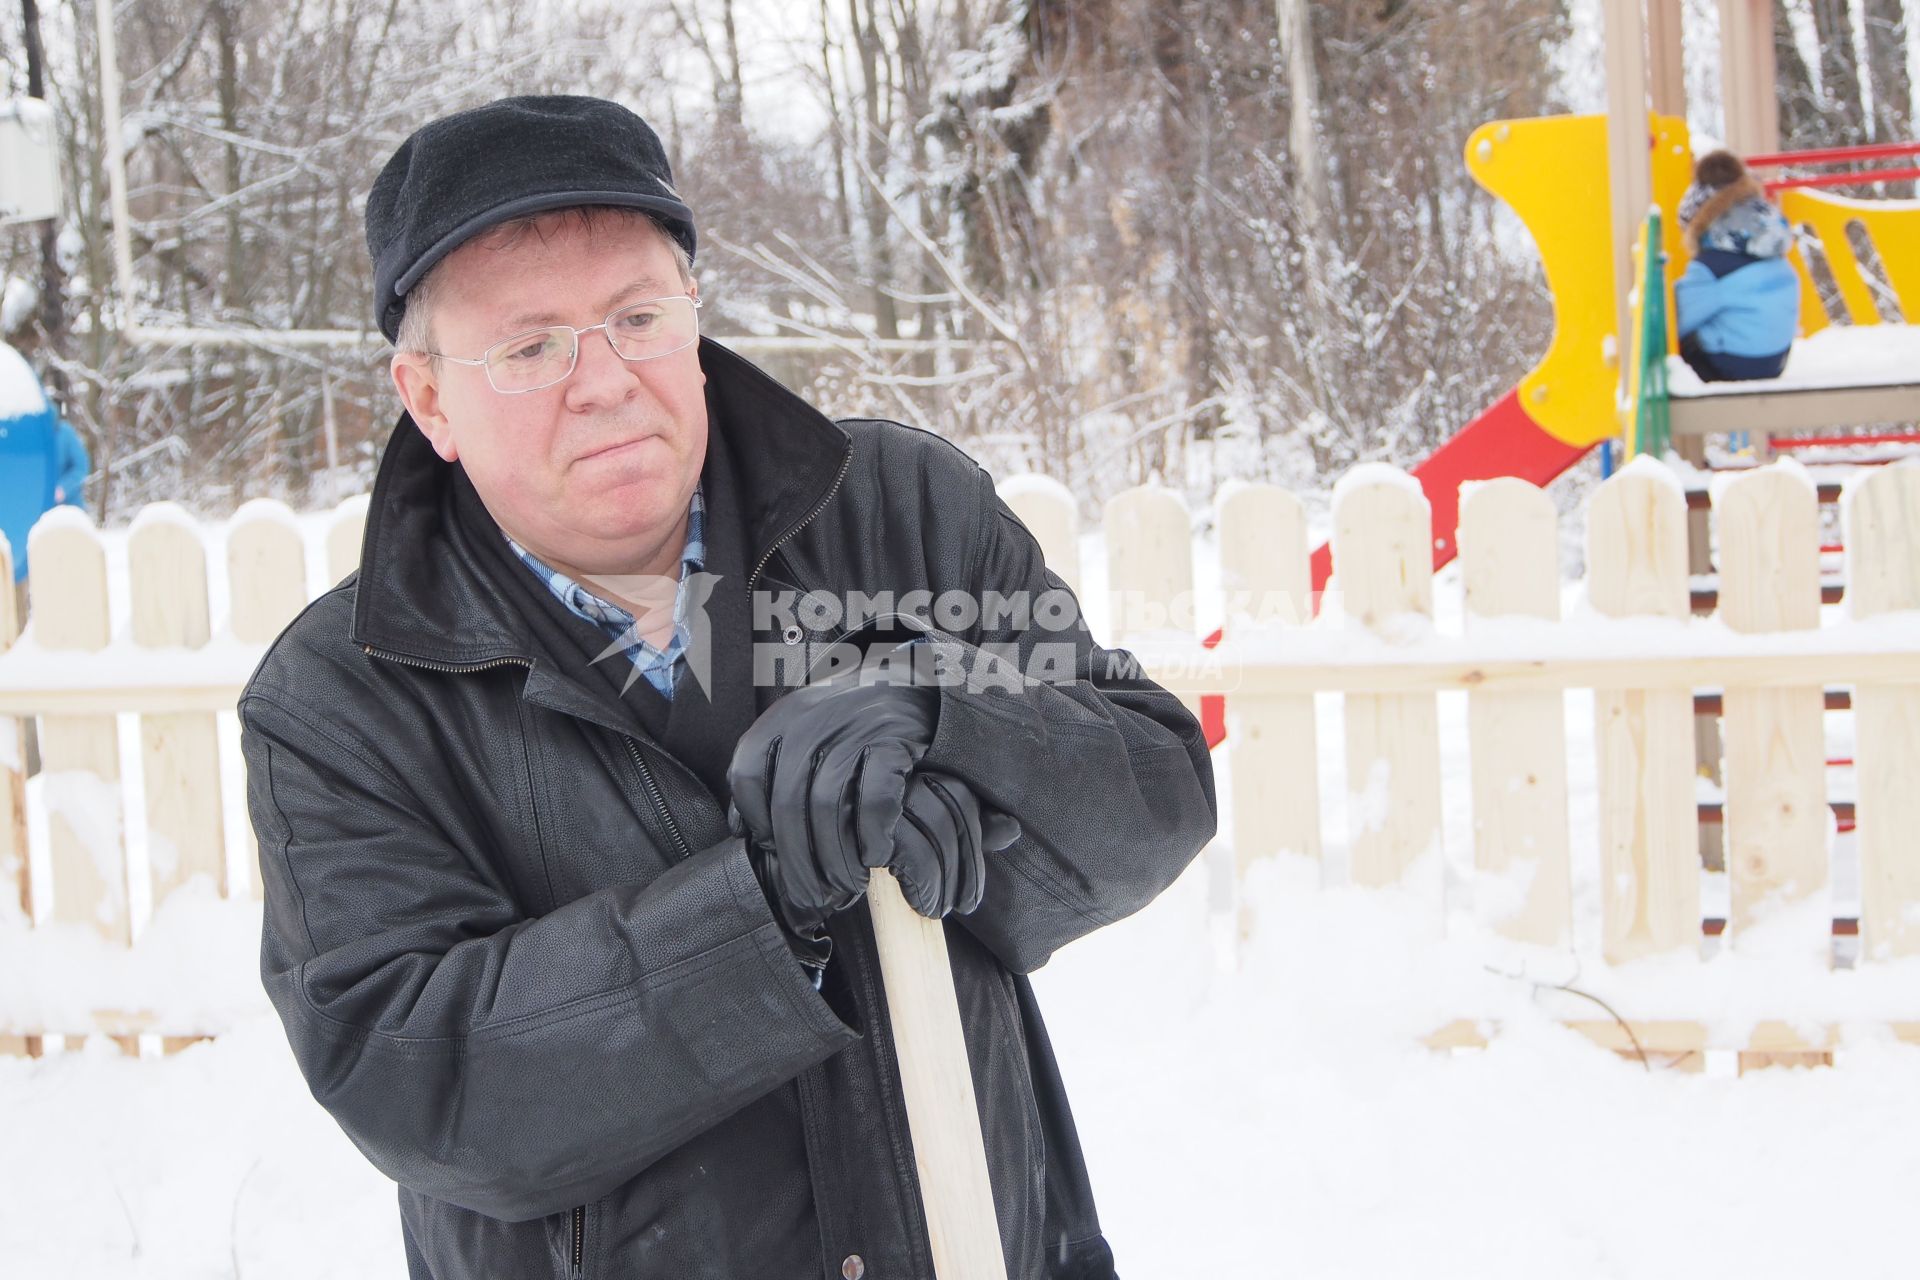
(425, 592)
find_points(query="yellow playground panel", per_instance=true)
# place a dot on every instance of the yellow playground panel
(1552, 172)
(1892, 226)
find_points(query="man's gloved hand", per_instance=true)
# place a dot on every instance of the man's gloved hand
(819, 785)
(939, 858)
(941, 844)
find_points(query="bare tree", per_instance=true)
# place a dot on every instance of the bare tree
(1887, 41)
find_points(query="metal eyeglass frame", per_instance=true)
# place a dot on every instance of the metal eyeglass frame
(486, 357)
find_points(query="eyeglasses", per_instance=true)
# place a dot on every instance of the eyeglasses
(541, 357)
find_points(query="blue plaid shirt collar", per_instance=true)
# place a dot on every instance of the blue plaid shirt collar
(659, 667)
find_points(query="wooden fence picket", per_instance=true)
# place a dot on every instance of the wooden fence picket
(1271, 749)
(1048, 510)
(1882, 520)
(1517, 741)
(167, 576)
(16, 873)
(343, 538)
(266, 570)
(1383, 561)
(1149, 567)
(1774, 739)
(267, 579)
(79, 754)
(1649, 823)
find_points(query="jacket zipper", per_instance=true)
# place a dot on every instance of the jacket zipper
(579, 1235)
(446, 666)
(846, 464)
(659, 801)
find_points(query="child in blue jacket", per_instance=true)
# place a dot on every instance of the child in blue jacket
(1738, 302)
(43, 462)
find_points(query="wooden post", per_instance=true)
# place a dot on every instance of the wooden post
(1649, 841)
(1666, 57)
(1882, 511)
(943, 1116)
(1517, 742)
(1748, 77)
(1383, 558)
(1629, 167)
(1271, 752)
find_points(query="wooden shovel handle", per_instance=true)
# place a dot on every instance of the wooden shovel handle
(941, 1111)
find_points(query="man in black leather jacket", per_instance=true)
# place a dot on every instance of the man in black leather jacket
(520, 952)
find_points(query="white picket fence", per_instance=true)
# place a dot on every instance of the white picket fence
(80, 666)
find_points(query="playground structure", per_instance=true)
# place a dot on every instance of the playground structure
(1582, 185)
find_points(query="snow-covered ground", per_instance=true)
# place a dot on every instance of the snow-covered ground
(1275, 1121)
(1256, 1109)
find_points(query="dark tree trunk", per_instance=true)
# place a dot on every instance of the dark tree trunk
(53, 280)
(1846, 120)
(1886, 31)
(1801, 122)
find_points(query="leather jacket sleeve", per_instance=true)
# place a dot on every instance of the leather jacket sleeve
(1108, 773)
(514, 1066)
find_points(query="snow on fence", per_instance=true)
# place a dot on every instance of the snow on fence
(162, 671)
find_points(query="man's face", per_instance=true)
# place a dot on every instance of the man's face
(593, 473)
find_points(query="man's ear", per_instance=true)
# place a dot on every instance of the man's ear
(419, 387)
(693, 288)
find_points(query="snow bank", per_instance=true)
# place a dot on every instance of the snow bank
(194, 966)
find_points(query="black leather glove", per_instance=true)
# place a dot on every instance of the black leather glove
(819, 785)
(940, 846)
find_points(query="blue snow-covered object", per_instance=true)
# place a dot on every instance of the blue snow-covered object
(29, 469)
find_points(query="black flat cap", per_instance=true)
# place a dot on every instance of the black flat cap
(460, 174)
